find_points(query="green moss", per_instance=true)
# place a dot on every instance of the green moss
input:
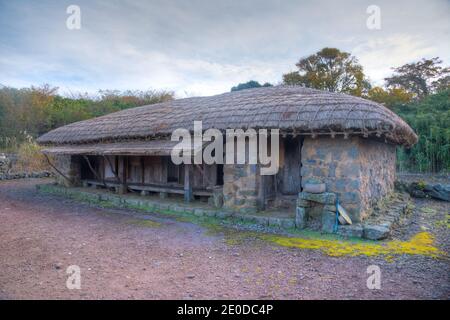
(429, 211)
(421, 185)
(445, 223)
(144, 223)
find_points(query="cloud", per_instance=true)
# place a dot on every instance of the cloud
(380, 55)
(204, 47)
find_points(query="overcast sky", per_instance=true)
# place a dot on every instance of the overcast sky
(203, 47)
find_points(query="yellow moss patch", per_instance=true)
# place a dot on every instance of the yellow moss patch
(420, 244)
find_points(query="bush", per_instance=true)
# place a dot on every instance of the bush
(430, 119)
(30, 158)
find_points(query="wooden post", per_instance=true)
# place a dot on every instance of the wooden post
(262, 190)
(123, 173)
(142, 170)
(187, 183)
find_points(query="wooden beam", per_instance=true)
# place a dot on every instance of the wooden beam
(114, 171)
(94, 172)
(57, 170)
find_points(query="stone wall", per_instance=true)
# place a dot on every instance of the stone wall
(70, 166)
(377, 170)
(5, 164)
(241, 187)
(358, 170)
(10, 171)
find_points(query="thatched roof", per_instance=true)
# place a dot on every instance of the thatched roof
(292, 109)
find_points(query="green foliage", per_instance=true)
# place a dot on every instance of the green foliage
(250, 84)
(30, 157)
(332, 70)
(430, 119)
(33, 111)
(36, 110)
(390, 97)
(421, 78)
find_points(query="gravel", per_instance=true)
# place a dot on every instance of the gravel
(42, 235)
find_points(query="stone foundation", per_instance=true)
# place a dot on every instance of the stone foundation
(240, 189)
(316, 206)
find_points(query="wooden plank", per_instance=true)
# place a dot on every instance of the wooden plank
(153, 188)
(202, 193)
(156, 189)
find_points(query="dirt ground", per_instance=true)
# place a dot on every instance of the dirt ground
(41, 235)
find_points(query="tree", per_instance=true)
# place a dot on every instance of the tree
(442, 84)
(33, 111)
(420, 78)
(389, 97)
(330, 69)
(250, 84)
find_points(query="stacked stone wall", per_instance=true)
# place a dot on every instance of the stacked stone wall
(360, 171)
(240, 189)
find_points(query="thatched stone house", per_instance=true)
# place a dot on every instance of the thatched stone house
(344, 142)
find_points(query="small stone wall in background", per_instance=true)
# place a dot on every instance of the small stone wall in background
(7, 162)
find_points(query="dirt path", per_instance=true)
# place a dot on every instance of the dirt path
(40, 236)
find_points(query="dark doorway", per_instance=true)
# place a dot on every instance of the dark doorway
(175, 172)
(291, 178)
(86, 171)
(219, 178)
